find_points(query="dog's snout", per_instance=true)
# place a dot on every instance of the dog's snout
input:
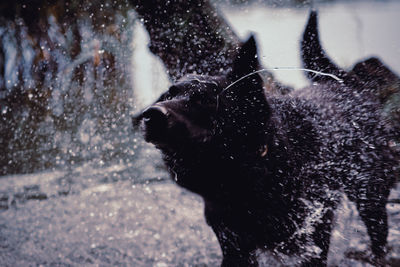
(155, 114)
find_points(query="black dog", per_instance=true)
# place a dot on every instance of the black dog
(270, 168)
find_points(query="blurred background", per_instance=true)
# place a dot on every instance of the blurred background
(72, 73)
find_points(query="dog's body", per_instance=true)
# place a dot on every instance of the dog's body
(271, 169)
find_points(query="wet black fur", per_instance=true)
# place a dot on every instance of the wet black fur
(270, 168)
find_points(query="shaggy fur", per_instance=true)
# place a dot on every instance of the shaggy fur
(270, 168)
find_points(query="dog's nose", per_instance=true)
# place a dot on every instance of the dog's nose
(155, 116)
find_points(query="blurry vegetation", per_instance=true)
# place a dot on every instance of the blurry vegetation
(64, 82)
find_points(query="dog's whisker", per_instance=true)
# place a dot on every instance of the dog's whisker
(276, 69)
(284, 69)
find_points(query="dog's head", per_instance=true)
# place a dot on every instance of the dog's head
(196, 109)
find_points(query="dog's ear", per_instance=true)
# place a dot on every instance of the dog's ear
(246, 60)
(375, 74)
(313, 55)
(372, 69)
(245, 96)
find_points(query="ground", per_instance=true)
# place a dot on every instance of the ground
(101, 217)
